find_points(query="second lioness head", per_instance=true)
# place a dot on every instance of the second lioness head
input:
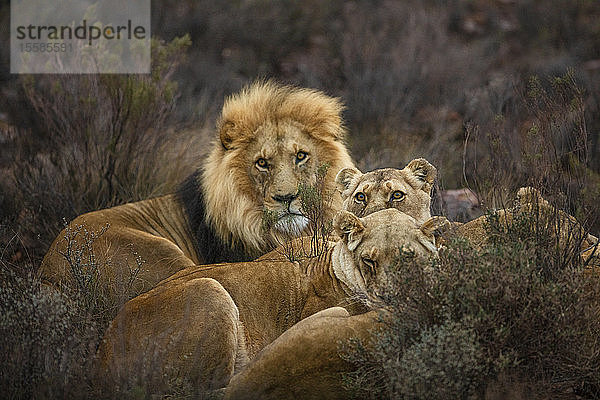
(407, 190)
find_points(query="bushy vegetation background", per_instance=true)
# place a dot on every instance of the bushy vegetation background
(496, 94)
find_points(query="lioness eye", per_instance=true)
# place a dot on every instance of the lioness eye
(261, 163)
(397, 195)
(301, 156)
(360, 197)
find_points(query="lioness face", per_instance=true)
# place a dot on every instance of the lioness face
(407, 190)
(375, 243)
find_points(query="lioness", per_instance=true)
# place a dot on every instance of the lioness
(566, 229)
(270, 138)
(407, 189)
(304, 362)
(210, 320)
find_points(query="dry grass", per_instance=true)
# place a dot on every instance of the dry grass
(539, 137)
(106, 140)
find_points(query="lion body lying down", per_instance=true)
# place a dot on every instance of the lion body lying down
(270, 139)
(304, 362)
(210, 320)
(567, 231)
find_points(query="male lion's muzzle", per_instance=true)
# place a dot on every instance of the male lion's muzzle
(290, 218)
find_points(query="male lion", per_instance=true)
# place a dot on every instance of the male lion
(270, 138)
(408, 189)
(210, 320)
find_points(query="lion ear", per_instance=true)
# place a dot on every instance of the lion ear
(344, 178)
(423, 171)
(350, 228)
(228, 133)
(435, 226)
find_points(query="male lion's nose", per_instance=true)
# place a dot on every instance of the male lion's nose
(286, 198)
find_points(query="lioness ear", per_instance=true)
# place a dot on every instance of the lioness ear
(435, 226)
(345, 177)
(423, 171)
(350, 228)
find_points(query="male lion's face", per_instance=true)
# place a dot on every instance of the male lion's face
(375, 243)
(280, 158)
(271, 140)
(407, 190)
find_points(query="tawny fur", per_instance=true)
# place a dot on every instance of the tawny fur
(293, 117)
(270, 295)
(304, 362)
(567, 229)
(412, 185)
(217, 215)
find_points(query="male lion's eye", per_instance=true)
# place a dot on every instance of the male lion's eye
(301, 156)
(397, 196)
(261, 163)
(360, 197)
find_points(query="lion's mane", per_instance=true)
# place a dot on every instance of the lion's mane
(222, 206)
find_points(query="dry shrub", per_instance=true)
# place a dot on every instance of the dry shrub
(516, 308)
(533, 134)
(105, 141)
(102, 140)
(106, 130)
(50, 337)
(48, 342)
(316, 200)
(86, 269)
(405, 77)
